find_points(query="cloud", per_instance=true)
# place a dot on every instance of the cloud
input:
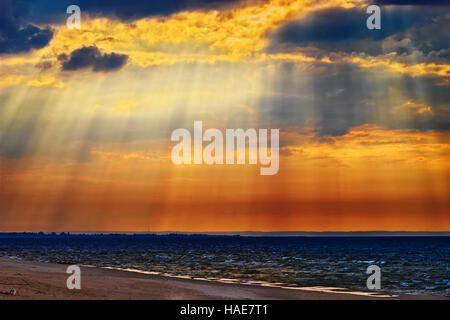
(390, 62)
(124, 106)
(410, 2)
(232, 34)
(91, 57)
(54, 11)
(135, 9)
(44, 65)
(413, 107)
(46, 81)
(10, 80)
(16, 35)
(336, 97)
(429, 38)
(344, 30)
(378, 146)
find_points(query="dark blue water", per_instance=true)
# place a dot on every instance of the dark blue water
(408, 264)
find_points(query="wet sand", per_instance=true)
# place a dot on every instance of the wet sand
(34, 280)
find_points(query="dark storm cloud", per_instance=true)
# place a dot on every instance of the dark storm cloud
(344, 30)
(430, 37)
(54, 11)
(17, 35)
(337, 97)
(412, 2)
(334, 100)
(132, 9)
(91, 57)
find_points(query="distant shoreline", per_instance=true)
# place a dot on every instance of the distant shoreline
(232, 234)
(35, 280)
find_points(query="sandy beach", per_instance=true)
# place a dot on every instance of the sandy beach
(33, 280)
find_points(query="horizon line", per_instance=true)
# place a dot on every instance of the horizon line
(234, 233)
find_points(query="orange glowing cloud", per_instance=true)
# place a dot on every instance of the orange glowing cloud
(231, 35)
(46, 81)
(236, 33)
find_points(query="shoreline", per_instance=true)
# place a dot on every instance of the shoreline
(47, 281)
(333, 290)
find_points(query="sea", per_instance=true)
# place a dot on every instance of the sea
(408, 265)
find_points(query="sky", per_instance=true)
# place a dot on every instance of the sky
(86, 115)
